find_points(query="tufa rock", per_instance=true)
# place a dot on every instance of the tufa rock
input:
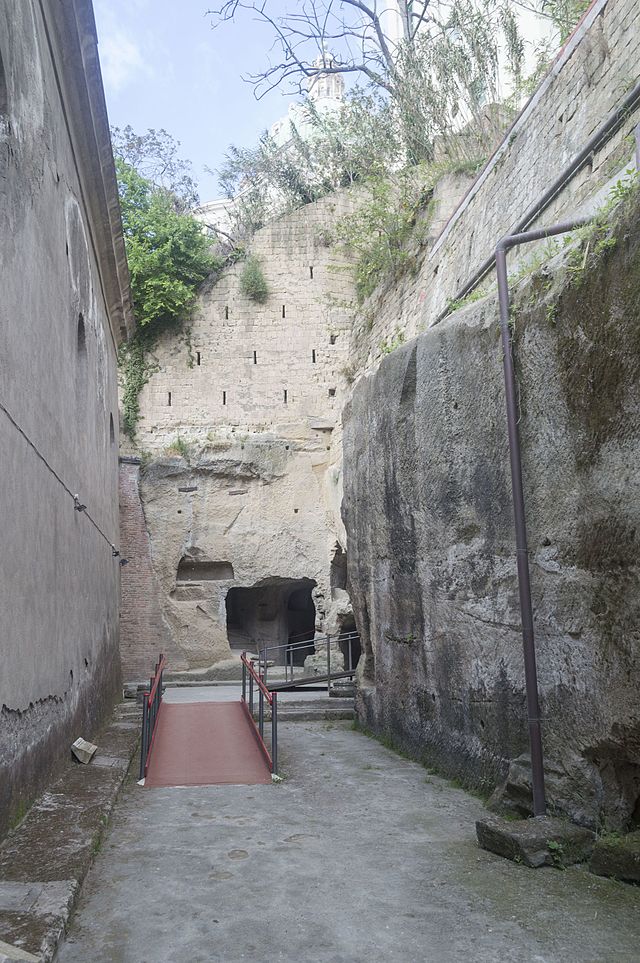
(543, 841)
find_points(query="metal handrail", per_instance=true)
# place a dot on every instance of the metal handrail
(291, 647)
(250, 675)
(151, 702)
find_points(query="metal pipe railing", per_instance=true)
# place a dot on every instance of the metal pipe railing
(345, 639)
(606, 130)
(151, 702)
(250, 676)
(515, 457)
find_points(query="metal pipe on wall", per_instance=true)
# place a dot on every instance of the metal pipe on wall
(606, 130)
(517, 490)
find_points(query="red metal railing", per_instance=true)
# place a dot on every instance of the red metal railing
(151, 702)
(250, 678)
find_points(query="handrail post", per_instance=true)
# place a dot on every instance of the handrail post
(329, 663)
(251, 693)
(143, 741)
(244, 681)
(350, 655)
(261, 712)
(274, 733)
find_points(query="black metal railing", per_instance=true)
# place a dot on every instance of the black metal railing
(151, 702)
(250, 681)
(341, 646)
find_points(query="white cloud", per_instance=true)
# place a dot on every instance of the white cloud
(121, 60)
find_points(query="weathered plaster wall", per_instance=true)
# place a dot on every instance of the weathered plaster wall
(589, 79)
(257, 490)
(431, 549)
(59, 581)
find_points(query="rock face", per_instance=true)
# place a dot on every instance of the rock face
(234, 523)
(428, 514)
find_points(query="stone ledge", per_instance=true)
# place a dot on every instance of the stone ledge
(45, 859)
(617, 856)
(543, 841)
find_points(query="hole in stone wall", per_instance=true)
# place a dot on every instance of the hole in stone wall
(192, 569)
(224, 397)
(255, 357)
(332, 392)
(338, 572)
(333, 338)
(285, 396)
(313, 356)
(112, 432)
(169, 399)
(226, 313)
(311, 272)
(198, 358)
(277, 611)
(284, 314)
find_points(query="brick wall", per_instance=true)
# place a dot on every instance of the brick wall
(588, 80)
(143, 631)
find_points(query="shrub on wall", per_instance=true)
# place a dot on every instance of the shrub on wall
(168, 257)
(253, 283)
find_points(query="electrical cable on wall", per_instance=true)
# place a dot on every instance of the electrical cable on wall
(79, 507)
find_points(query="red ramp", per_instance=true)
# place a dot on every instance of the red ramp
(205, 744)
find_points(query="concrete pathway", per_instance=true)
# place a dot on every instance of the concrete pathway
(357, 856)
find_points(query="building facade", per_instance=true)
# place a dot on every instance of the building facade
(64, 309)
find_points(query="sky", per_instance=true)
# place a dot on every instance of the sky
(164, 67)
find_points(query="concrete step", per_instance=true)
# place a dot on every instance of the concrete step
(312, 710)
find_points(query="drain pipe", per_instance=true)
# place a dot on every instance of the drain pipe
(522, 556)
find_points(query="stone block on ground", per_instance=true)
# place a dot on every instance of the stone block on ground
(83, 751)
(617, 856)
(543, 841)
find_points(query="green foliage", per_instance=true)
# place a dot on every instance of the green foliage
(179, 446)
(253, 283)
(387, 346)
(377, 233)
(154, 156)
(167, 252)
(168, 258)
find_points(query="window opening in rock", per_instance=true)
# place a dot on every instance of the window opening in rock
(255, 357)
(313, 356)
(283, 311)
(332, 392)
(224, 397)
(338, 572)
(192, 569)
(333, 338)
(198, 358)
(112, 432)
(169, 399)
(311, 272)
(277, 612)
(226, 313)
(285, 396)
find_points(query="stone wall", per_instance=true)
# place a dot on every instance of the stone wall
(431, 548)
(589, 79)
(253, 498)
(64, 307)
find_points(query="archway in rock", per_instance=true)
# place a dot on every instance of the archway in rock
(276, 611)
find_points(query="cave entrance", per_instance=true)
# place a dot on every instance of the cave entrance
(276, 611)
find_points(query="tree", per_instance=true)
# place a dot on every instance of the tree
(429, 58)
(154, 156)
(168, 258)
(329, 151)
